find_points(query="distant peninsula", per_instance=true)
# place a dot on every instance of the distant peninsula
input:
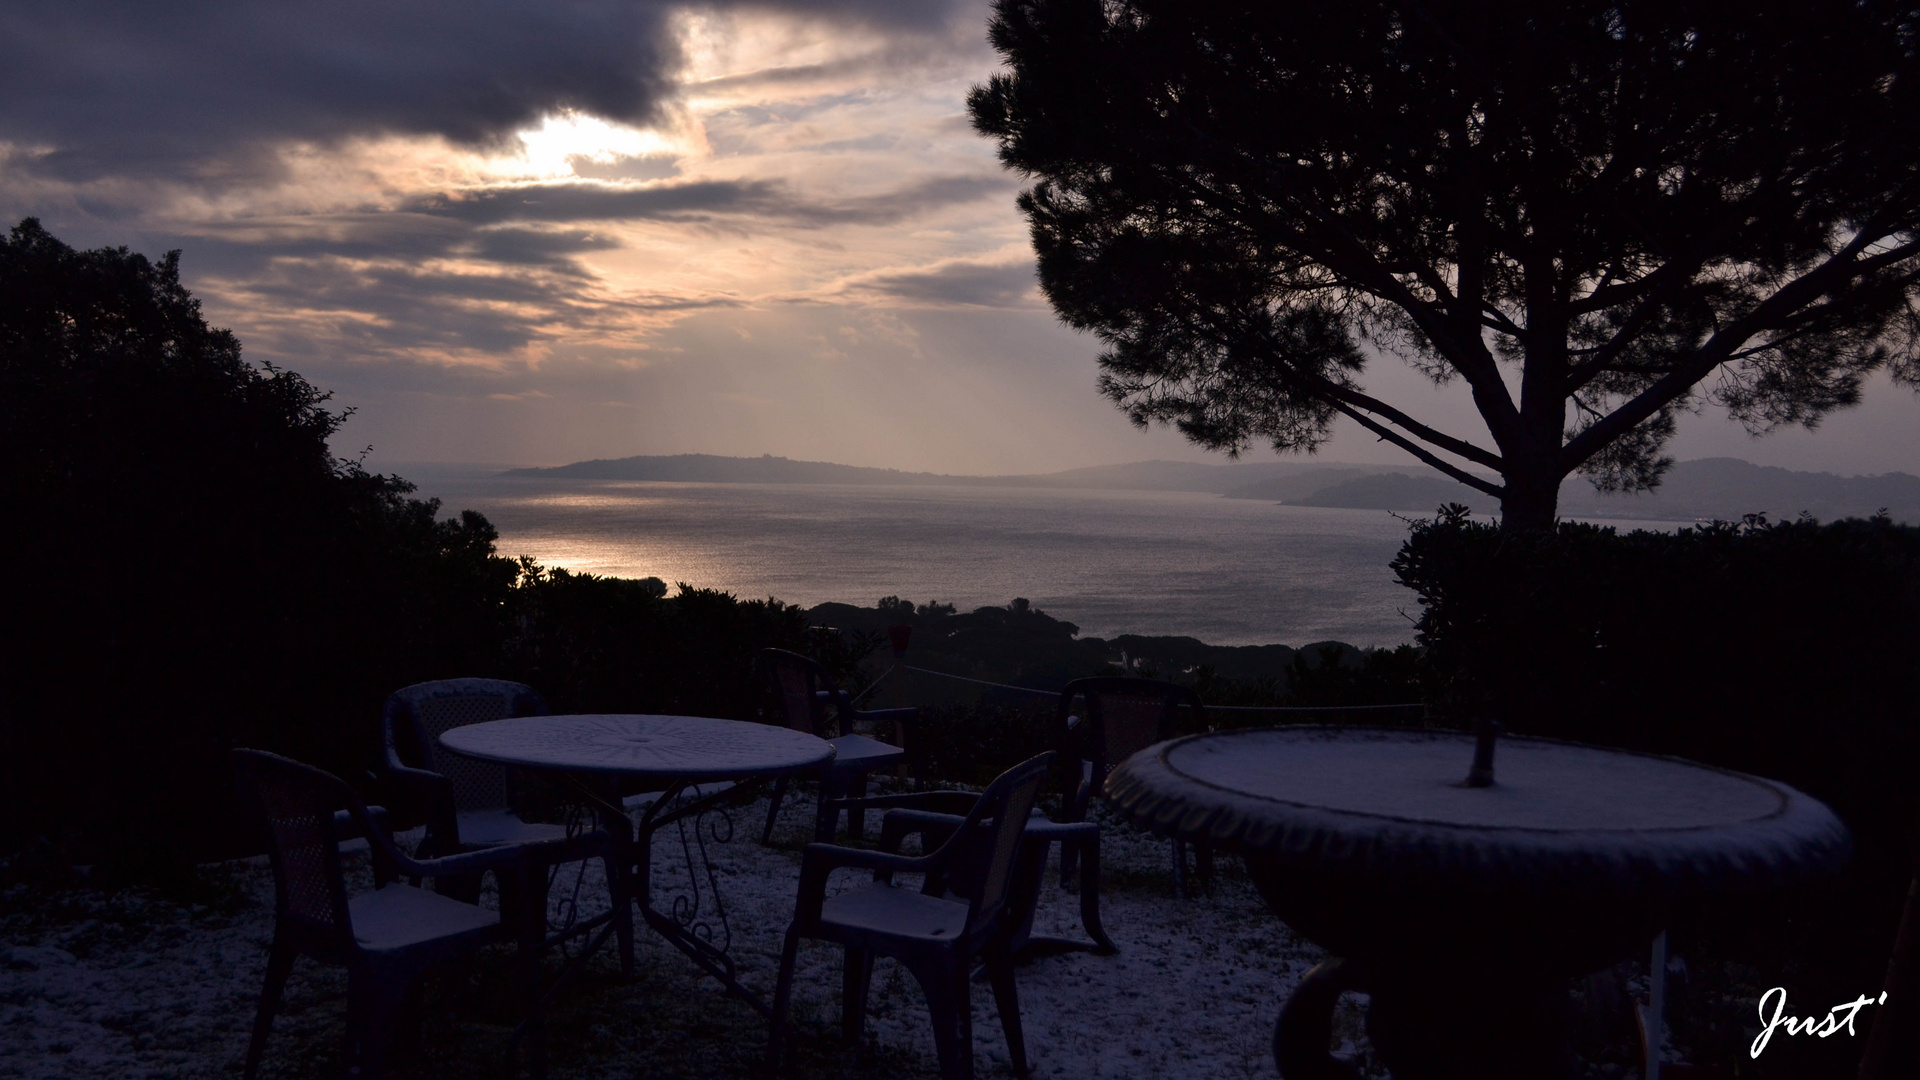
(768, 469)
(1705, 489)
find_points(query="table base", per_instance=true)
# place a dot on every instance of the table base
(697, 924)
(1431, 1025)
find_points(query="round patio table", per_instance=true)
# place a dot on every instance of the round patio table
(1464, 911)
(590, 752)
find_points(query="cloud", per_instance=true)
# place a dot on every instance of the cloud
(209, 91)
(457, 308)
(206, 91)
(994, 283)
(530, 247)
(591, 201)
(702, 200)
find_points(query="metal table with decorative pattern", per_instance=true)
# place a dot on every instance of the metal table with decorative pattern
(589, 753)
(1463, 910)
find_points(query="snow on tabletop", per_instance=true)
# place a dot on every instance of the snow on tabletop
(1416, 777)
(137, 986)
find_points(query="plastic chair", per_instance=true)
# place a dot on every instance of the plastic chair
(934, 937)
(936, 814)
(385, 938)
(466, 801)
(804, 690)
(1121, 717)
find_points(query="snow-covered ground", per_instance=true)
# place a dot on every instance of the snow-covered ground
(134, 985)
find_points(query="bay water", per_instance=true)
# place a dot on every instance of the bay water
(1226, 571)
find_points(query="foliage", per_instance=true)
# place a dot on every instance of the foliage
(1780, 649)
(972, 744)
(1634, 208)
(196, 568)
(594, 644)
(1718, 643)
(1021, 645)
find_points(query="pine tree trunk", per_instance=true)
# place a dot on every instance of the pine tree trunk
(1531, 502)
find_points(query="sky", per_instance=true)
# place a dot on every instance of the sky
(532, 233)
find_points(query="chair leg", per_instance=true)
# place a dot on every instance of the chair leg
(782, 1003)
(373, 1010)
(1069, 861)
(856, 981)
(1090, 895)
(856, 816)
(773, 810)
(279, 966)
(944, 980)
(827, 821)
(1006, 998)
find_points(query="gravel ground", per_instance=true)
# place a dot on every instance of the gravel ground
(139, 984)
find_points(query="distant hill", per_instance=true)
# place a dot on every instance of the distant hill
(1136, 476)
(1727, 488)
(1304, 483)
(1398, 491)
(1710, 488)
(714, 469)
(1722, 489)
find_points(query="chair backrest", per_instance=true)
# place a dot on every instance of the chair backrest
(429, 709)
(990, 838)
(1123, 716)
(303, 841)
(796, 683)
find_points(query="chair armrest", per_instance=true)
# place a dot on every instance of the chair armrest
(955, 803)
(938, 826)
(826, 858)
(819, 861)
(429, 799)
(1049, 829)
(389, 862)
(498, 859)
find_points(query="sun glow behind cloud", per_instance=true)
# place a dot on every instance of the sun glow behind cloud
(564, 140)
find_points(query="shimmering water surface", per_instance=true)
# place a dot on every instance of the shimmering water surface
(1227, 571)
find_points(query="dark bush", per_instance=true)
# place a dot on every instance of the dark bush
(971, 744)
(1780, 649)
(192, 568)
(595, 644)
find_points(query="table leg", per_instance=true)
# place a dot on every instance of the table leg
(1305, 1029)
(705, 938)
(1500, 1025)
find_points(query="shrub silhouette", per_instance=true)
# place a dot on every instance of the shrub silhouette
(194, 567)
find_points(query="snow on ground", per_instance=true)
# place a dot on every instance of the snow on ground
(139, 986)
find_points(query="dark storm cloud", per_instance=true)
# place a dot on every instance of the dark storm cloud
(400, 306)
(236, 251)
(958, 283)
(527, 247)
(701, 201)
(573, 201)
(896, 15)
(205, 91)
(202, 90)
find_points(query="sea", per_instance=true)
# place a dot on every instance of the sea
(1225, 571)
